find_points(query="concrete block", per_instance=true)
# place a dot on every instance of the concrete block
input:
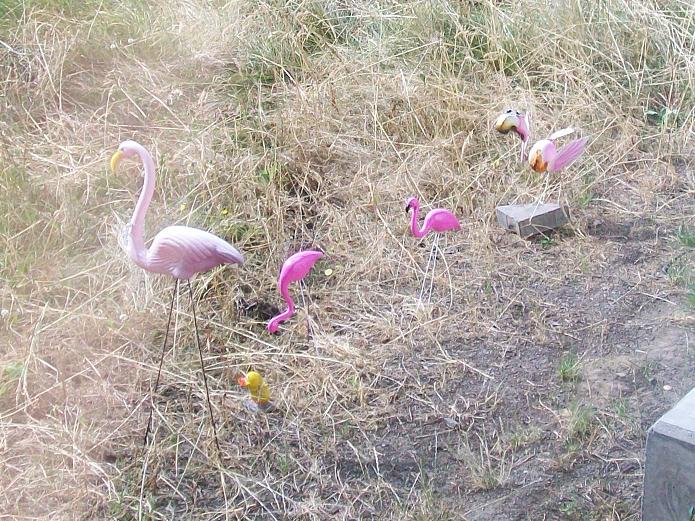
(530, 219)
(669, 472)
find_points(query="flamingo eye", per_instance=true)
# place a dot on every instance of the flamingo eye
(509, 111)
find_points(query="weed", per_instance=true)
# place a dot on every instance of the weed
(547, 242)
(585, 199)
(487, 472)
(686, 237)
(621, 408)
(681, 271)
(574, 511)
(580, 423)
(569, 370)
(524, 437)
(12, 372)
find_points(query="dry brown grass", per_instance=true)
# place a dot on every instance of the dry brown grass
(310, 123)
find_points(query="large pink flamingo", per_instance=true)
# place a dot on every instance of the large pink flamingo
(517, 122)
(295, 268)
(179, 251)
(438, 220)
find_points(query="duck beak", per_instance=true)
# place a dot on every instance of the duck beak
(115, 159)
(242, 381)
(506, 122)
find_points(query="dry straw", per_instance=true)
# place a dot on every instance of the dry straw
(287, 125)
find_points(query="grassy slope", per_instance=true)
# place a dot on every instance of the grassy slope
(282, 125)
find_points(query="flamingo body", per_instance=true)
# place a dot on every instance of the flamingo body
(438, 220)
(180, 251)
(295, 268)
(545, 157)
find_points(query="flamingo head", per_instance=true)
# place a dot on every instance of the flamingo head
(410, 204)
(252, 381)
(273, 326)
(513, 120)
(126, 150)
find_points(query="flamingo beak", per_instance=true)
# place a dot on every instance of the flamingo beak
(407, 209)
(506, 122)
(115, 159)
(242, 381)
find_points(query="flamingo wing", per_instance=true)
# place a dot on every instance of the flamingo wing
(561, 133)
(567, 154)
(183, 251)
(442, 220)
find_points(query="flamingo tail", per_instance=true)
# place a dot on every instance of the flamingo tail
(567, 154)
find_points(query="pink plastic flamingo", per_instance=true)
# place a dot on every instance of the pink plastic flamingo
(293, 269)
(545, 157)
(179, 251)
(513, 120)
(438, 220)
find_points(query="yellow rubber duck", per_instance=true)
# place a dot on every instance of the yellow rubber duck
(258, 389)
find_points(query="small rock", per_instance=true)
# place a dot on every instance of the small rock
(667, 387)
(451, 423)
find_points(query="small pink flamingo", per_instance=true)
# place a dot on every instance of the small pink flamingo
(179, 251)
(438, 220)
(293, 269)
(516, 121)
(545, 157)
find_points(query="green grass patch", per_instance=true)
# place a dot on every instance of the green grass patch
(580, 424)
(569, 370)
(686, 237)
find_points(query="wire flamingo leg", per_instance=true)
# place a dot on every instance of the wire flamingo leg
(161, 360)
(309, 328)
(435, 243)
(424, 277)
(202, 366)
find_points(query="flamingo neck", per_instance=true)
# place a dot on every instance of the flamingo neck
(415, 206)
(524, 133)
(285, 315)
(136, 243)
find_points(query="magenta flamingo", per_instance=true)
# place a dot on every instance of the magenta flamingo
(179, 251)
(295, 268)
(545, 157)
(516, 121)
(438, 220)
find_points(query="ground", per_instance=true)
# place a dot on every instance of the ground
(522, 391)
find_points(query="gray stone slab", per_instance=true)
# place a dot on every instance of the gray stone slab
(669, 472)
(530, 219)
